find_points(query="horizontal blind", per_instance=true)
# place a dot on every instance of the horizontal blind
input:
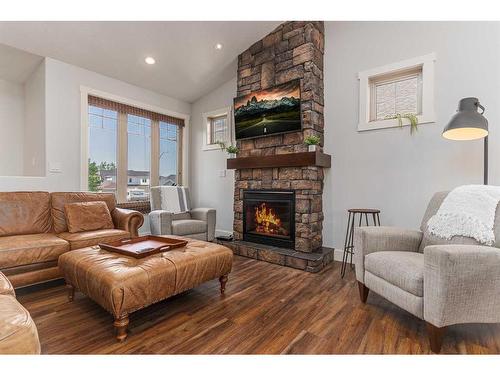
(124, 108)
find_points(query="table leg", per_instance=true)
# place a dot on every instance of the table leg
(121, 325)
(71, 292)
(223, 281)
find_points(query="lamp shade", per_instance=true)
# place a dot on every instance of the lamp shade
(467, 124)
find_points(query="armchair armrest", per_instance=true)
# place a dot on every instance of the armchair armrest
(128, 220)
(209, 216)
(160, 222)
(461, 284)
(6, 288)
(371, 239)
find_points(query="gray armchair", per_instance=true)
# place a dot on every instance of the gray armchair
(443, 282)
(168, 216)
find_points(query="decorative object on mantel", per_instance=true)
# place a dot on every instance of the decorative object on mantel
(231, 149)
(468, 124)
(411, 117)
(312, 141)
(349, 235)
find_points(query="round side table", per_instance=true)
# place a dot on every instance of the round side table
(349, 236)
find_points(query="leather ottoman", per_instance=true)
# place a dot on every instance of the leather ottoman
(123, 284)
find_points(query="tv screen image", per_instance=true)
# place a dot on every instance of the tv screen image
(269, 111)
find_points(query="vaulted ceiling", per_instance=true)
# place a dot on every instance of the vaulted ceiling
(187, 63)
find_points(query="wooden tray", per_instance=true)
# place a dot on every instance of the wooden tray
(141, 247)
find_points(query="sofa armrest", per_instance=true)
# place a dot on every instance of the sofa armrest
(209, 216)
(128, 220)
(461, 284)
(371, 239)
(6, 288)
(160, 222)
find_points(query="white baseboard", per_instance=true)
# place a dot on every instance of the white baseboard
(337, 255)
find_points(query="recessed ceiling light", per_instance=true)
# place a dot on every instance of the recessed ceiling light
(218, 46)
(149, 60)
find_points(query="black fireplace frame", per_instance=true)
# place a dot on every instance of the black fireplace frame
(274, 195)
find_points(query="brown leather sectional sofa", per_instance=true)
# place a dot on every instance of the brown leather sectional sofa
(18, 333)
(34, 232)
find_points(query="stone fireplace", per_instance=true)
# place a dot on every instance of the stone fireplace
(282, 163)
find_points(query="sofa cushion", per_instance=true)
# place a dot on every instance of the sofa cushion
(183, 227)
(18, 333)
(404, 269)
(85, 216)
(30, 248)
(94, 237)
(24, 213)
(59, 200)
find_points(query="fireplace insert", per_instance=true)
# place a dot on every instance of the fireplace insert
(269, 217)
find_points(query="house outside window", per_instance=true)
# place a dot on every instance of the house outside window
(403, 88)
(217, 128)
(131, 149)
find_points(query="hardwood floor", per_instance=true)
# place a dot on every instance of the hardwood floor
(267, 309)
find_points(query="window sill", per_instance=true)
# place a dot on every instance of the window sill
(211, 147)
(392, 123)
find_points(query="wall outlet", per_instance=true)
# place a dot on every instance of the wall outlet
(222, 173)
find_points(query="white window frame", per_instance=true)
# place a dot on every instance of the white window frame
(226, 111)
(427, 114)
(183, 160)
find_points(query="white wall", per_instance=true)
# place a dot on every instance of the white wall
(207, 188)
(34, 125)
(389, 169)
(62, 118)
(11, 128)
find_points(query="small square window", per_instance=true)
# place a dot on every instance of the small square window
(394, 93)
(403, 88)
(217, 128)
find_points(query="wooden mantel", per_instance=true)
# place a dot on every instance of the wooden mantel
(299, 159)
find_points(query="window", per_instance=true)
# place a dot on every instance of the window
(102, 133)
(139, 156)
(131, 149)
(402, 88)
(169, 136)
(217, 128)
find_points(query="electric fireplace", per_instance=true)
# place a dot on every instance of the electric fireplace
(269, 217)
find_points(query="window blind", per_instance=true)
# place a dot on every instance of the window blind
(124, 108)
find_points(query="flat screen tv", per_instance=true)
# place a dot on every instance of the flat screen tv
(270, 111)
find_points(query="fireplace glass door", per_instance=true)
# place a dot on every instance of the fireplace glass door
(268, 217)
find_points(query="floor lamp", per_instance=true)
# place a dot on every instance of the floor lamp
(469, 124)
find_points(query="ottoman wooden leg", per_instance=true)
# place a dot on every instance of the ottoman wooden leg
(71, 292)
(223, 281)
(121, 325)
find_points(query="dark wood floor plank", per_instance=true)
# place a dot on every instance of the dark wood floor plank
(267, 309)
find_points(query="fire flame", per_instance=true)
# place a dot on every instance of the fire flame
(267, 220)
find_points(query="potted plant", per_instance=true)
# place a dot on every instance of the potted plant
(312, 142)
(411, 117)
(232, 151)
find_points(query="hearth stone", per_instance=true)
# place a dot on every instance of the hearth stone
(310, 262)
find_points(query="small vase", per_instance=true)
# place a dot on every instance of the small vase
(232, 156)
(312, 148)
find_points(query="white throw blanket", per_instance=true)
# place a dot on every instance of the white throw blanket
(467, 211)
